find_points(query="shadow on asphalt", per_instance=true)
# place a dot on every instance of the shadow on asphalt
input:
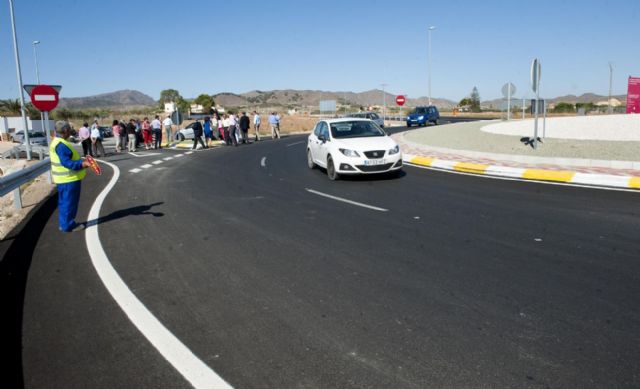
(140, 210)
(14, 270)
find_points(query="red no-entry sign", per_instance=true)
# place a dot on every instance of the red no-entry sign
(400, 100)
(44, 97)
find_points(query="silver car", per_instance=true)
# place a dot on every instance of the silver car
(367, 115)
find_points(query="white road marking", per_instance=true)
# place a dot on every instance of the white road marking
(146, 166)
(157, 162)
(179, 155)
(297, 143)
(168, 158)
(346, 200)
(189, 152)
(263, 162)
(171, 348)
(144, 155)
(136, 170)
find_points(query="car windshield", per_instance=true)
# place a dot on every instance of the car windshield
(355, 129)
(419, 110)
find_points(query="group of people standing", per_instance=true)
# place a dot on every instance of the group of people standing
(232, 129)
(91, 140)
(129, 136)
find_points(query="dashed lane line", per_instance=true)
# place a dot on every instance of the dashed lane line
(341, 199)
(146, 166)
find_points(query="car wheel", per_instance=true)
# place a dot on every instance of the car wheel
(180, 137)
(331, 170)
(408, 124)
(310, 162)
(435, 122)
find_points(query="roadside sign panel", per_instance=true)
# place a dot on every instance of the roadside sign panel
(633, 95)
(536, 72)
(400, 100)
(508, 90)
(44, 98)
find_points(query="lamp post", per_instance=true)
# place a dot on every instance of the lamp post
(610, 110)
(430, 29)
(20, 87)
(35, 55)
(384, 102)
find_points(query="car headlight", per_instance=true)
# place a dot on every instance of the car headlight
(421, 118)
(349, 153)
(408, 117)
(394, 150)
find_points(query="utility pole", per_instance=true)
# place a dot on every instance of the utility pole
(20, 86)
(384, 102)
(430, 29)
(610, 86)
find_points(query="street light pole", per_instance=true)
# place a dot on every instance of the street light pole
(430, 29)
(610, 86)
(35, 55)
(384, 102)
(20, 87)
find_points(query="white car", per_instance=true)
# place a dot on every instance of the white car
(352, 146)
(185, 133)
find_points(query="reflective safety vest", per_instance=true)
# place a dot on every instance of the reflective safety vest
(60, 174)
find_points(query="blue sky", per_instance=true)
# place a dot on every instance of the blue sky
(92, 47)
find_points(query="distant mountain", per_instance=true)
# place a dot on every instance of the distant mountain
(572, 99)
(307, 98)
(123, 99)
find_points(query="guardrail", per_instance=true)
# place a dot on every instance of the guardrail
(13, 181)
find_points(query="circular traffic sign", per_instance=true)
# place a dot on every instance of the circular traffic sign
(508, 90)
(400, 100)
(44, 98)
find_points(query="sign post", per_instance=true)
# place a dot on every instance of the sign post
(45, 98)
(508, 90)
(536, 70)
(633, 95)
(400, 100)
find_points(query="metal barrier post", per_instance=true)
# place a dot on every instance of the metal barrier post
(17, 198)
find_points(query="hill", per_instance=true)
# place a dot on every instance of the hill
(312, 98)
(123, 99)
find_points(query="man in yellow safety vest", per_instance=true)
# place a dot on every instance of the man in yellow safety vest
(67, 171)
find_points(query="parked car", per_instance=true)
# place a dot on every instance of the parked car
(352, 146)
(106, 131)
(185, 133)
(367, 115)
(421, 116)
(35, 137)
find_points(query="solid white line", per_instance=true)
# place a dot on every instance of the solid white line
(172, 349)
(136, 170)
(146, 166)
(346, 201)
(263, 162)
(297, 143)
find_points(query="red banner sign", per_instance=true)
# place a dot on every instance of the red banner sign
(633, 95)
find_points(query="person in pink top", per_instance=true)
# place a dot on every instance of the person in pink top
(85, 139)
(146, 133)
(115, 127)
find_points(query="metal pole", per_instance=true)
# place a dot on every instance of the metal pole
(523, 108)
(384, 103)
(509, 101)
(430, 29)
(610, 83)
(544, 119)
(19, 74)
(535, 131)
(35, 55)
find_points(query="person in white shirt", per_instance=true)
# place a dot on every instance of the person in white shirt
(256, 124)
(156, 130)
(96, 140)
(233, 129)
(167, 123)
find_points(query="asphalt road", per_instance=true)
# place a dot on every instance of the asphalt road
(457, 281)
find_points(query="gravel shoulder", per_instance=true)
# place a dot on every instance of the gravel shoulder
(468, 136)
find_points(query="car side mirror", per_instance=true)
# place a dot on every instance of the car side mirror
(322, 138)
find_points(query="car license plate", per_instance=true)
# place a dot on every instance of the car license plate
(372, 162)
